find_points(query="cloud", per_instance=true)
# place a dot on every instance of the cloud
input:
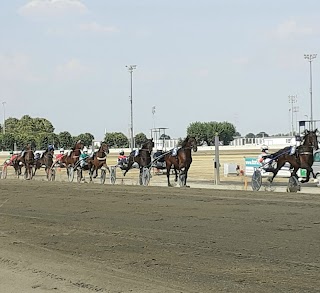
(72, 69)
(16, 67)
(52, 8)
(291, 28)
(97, 28)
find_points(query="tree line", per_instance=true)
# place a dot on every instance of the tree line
(39, 133)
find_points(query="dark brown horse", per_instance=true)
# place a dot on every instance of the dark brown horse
(45, 160)
(301, 158)
(17, 165)
(98, 160)
(182, 160)
(28, 161)
(142, 157)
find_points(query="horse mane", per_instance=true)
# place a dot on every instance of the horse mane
(184, 143)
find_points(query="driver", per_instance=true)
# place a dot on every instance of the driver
(83, 157)
(265, 159)
(122, 159)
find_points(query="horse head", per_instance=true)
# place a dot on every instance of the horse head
(311, 139)
(79, 145)
(190, 142)
(104, 147)
(148, 145)
(193, 144)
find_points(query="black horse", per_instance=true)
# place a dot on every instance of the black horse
(182, 160)
(301, 158)
(142, 157)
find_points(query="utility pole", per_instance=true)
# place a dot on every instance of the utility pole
(4, 118)
(131, 68)
(292, 100)
(153, 112)
(310, 57)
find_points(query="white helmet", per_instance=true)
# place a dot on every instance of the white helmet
(264, 148)
(85, 150)
(62, 150)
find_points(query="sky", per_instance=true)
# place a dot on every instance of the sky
(197, 60)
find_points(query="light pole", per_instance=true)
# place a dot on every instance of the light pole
(153, 112)
(292, 100)
(4, 118)
(296, 110)
(131, 68)
(310, 57)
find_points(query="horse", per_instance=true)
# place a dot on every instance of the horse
(301, 158)
(28, 160)
(182, 160)
(45, 160)
(71, 158)
(142, 157)
(98, 160)
(17, 165)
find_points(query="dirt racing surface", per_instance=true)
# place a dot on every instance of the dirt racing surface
(69, 237)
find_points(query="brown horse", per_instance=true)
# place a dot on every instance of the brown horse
(182, 160)
(45, 160)
(301, 158)
(28, 161)
(72, 158)
(98, 160)
(142, 157)
(17, 165)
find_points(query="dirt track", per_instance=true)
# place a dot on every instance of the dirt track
(66, 237)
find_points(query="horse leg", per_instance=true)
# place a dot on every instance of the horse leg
(176, 174)
(168, 174)
(308, 176)
(130, 163)
(275, 172)
(140, 176)
(185, 177)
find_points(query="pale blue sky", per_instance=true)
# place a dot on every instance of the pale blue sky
(201, 60)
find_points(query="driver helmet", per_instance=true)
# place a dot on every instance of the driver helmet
(264, 148)
(85, 150)
(121, 153)
(62, 150)
(50, 147)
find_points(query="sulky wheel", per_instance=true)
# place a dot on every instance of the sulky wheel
(113, 175)
(145, 176)
(103, 175)
(4, 172)
(70, 174)
(293, 184)
(256, 180)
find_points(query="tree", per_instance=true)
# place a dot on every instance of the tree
(87, 138)
(42, 125)
(198, 131)
(140, 138)
(262, 134)
(164, 136)
(11, 125)
(206, 131)
(65, 139)
(250, 135)
(116, 139)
